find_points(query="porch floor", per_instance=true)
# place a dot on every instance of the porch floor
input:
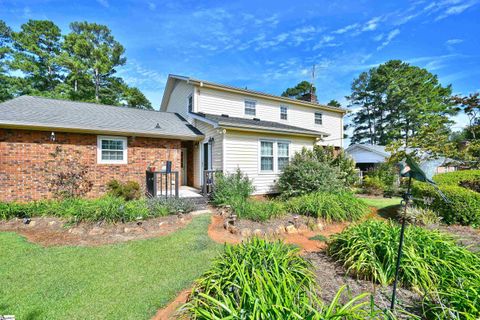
(186, 192)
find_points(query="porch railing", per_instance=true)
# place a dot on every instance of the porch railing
(162, 184)
(208, 181)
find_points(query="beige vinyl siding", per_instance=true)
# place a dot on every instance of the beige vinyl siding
(179, 99)
(242, 151)
(233, 104)
(217, 150)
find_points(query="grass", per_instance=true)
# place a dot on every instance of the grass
(123, 281)
(381, 203)
(319, 237)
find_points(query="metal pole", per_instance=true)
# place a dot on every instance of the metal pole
(400, 245)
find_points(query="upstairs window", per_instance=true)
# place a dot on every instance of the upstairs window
(111, 150)
(250, 107)
(282, 155)
(266, 156)
(318, 118)
(283, 113)
(190, 103)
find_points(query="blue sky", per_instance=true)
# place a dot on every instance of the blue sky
(271, 45)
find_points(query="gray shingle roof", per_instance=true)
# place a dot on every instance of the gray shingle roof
(36, 112)
(259, 125)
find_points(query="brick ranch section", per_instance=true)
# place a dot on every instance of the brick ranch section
(24, 155)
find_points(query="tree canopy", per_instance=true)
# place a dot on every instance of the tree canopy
(299, 90)
(401, 105)
(80, 65)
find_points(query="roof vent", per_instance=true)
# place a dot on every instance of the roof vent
(158, 126)
(224, 115)
(256, 119)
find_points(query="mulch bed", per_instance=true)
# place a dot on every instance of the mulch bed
(465, 235)
(48, 231)
(331, 276)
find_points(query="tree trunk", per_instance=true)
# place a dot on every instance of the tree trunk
(97, 85)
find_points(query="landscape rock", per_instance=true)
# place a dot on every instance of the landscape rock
(320, 226)
(96, 231)
(76, 231)
(280, 229)
(52, 223)
(233, 229)
(290, 229)
(246, 232)
(133, 230)
(257, 232)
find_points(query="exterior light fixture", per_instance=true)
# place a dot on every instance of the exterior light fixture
(52, 136)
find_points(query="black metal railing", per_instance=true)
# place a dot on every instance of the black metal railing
(162, 184)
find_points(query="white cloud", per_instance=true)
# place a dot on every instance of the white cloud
(346, 28)
(324, 42)
(454, 10)
(391, 35)
(452, 42)
(372, 24)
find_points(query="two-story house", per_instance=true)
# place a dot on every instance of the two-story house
(201, 127)
(245, 129)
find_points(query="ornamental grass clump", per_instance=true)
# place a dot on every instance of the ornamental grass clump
(267, 280)
(332, 207)
(432, 263)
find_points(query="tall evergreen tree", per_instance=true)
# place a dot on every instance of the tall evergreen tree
(95, 47)
(401, 105)
(299, 90)
(6, 91)
(37, 46)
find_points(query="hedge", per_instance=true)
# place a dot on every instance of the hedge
(463, 206)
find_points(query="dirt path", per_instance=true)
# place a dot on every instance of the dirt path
(169, 312)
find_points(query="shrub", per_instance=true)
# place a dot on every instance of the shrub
(231, 188)
(264, 280)
(373, 185)
(258, 210)
(329, 206)
(129, 190)
(431, 263)
(305, 174)
(422, 216)
(463, 205)
(108, 208)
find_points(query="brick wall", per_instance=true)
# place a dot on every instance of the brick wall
(24, 155)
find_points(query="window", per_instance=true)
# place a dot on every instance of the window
(112, 150)
(250, 107)
(282, 155)
(266, 156)
(190, 103)
(318, 118)
(274, 156)
(283, 112)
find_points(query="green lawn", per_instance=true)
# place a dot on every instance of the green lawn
(381, 203)
(123, 281)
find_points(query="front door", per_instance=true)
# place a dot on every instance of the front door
(183, 161)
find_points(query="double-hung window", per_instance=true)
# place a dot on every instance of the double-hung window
(283, 155)
(274, 156)
(283, 112)
(266, 156)
(318, 118)
(250, 108)
(111, 150)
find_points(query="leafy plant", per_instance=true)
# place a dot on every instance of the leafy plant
(258, 210)
(265, 280)
(231, 188)
(306, 173)
(422, 216)
(431, 263)
(108, 209)
(129, 190)
(373, 186)
(329, 206)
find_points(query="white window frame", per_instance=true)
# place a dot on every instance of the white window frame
(99, 150)
(254, 107)
(315, 118)
(288, 153)
(275, 155)
(190, 96)
(286, 112)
